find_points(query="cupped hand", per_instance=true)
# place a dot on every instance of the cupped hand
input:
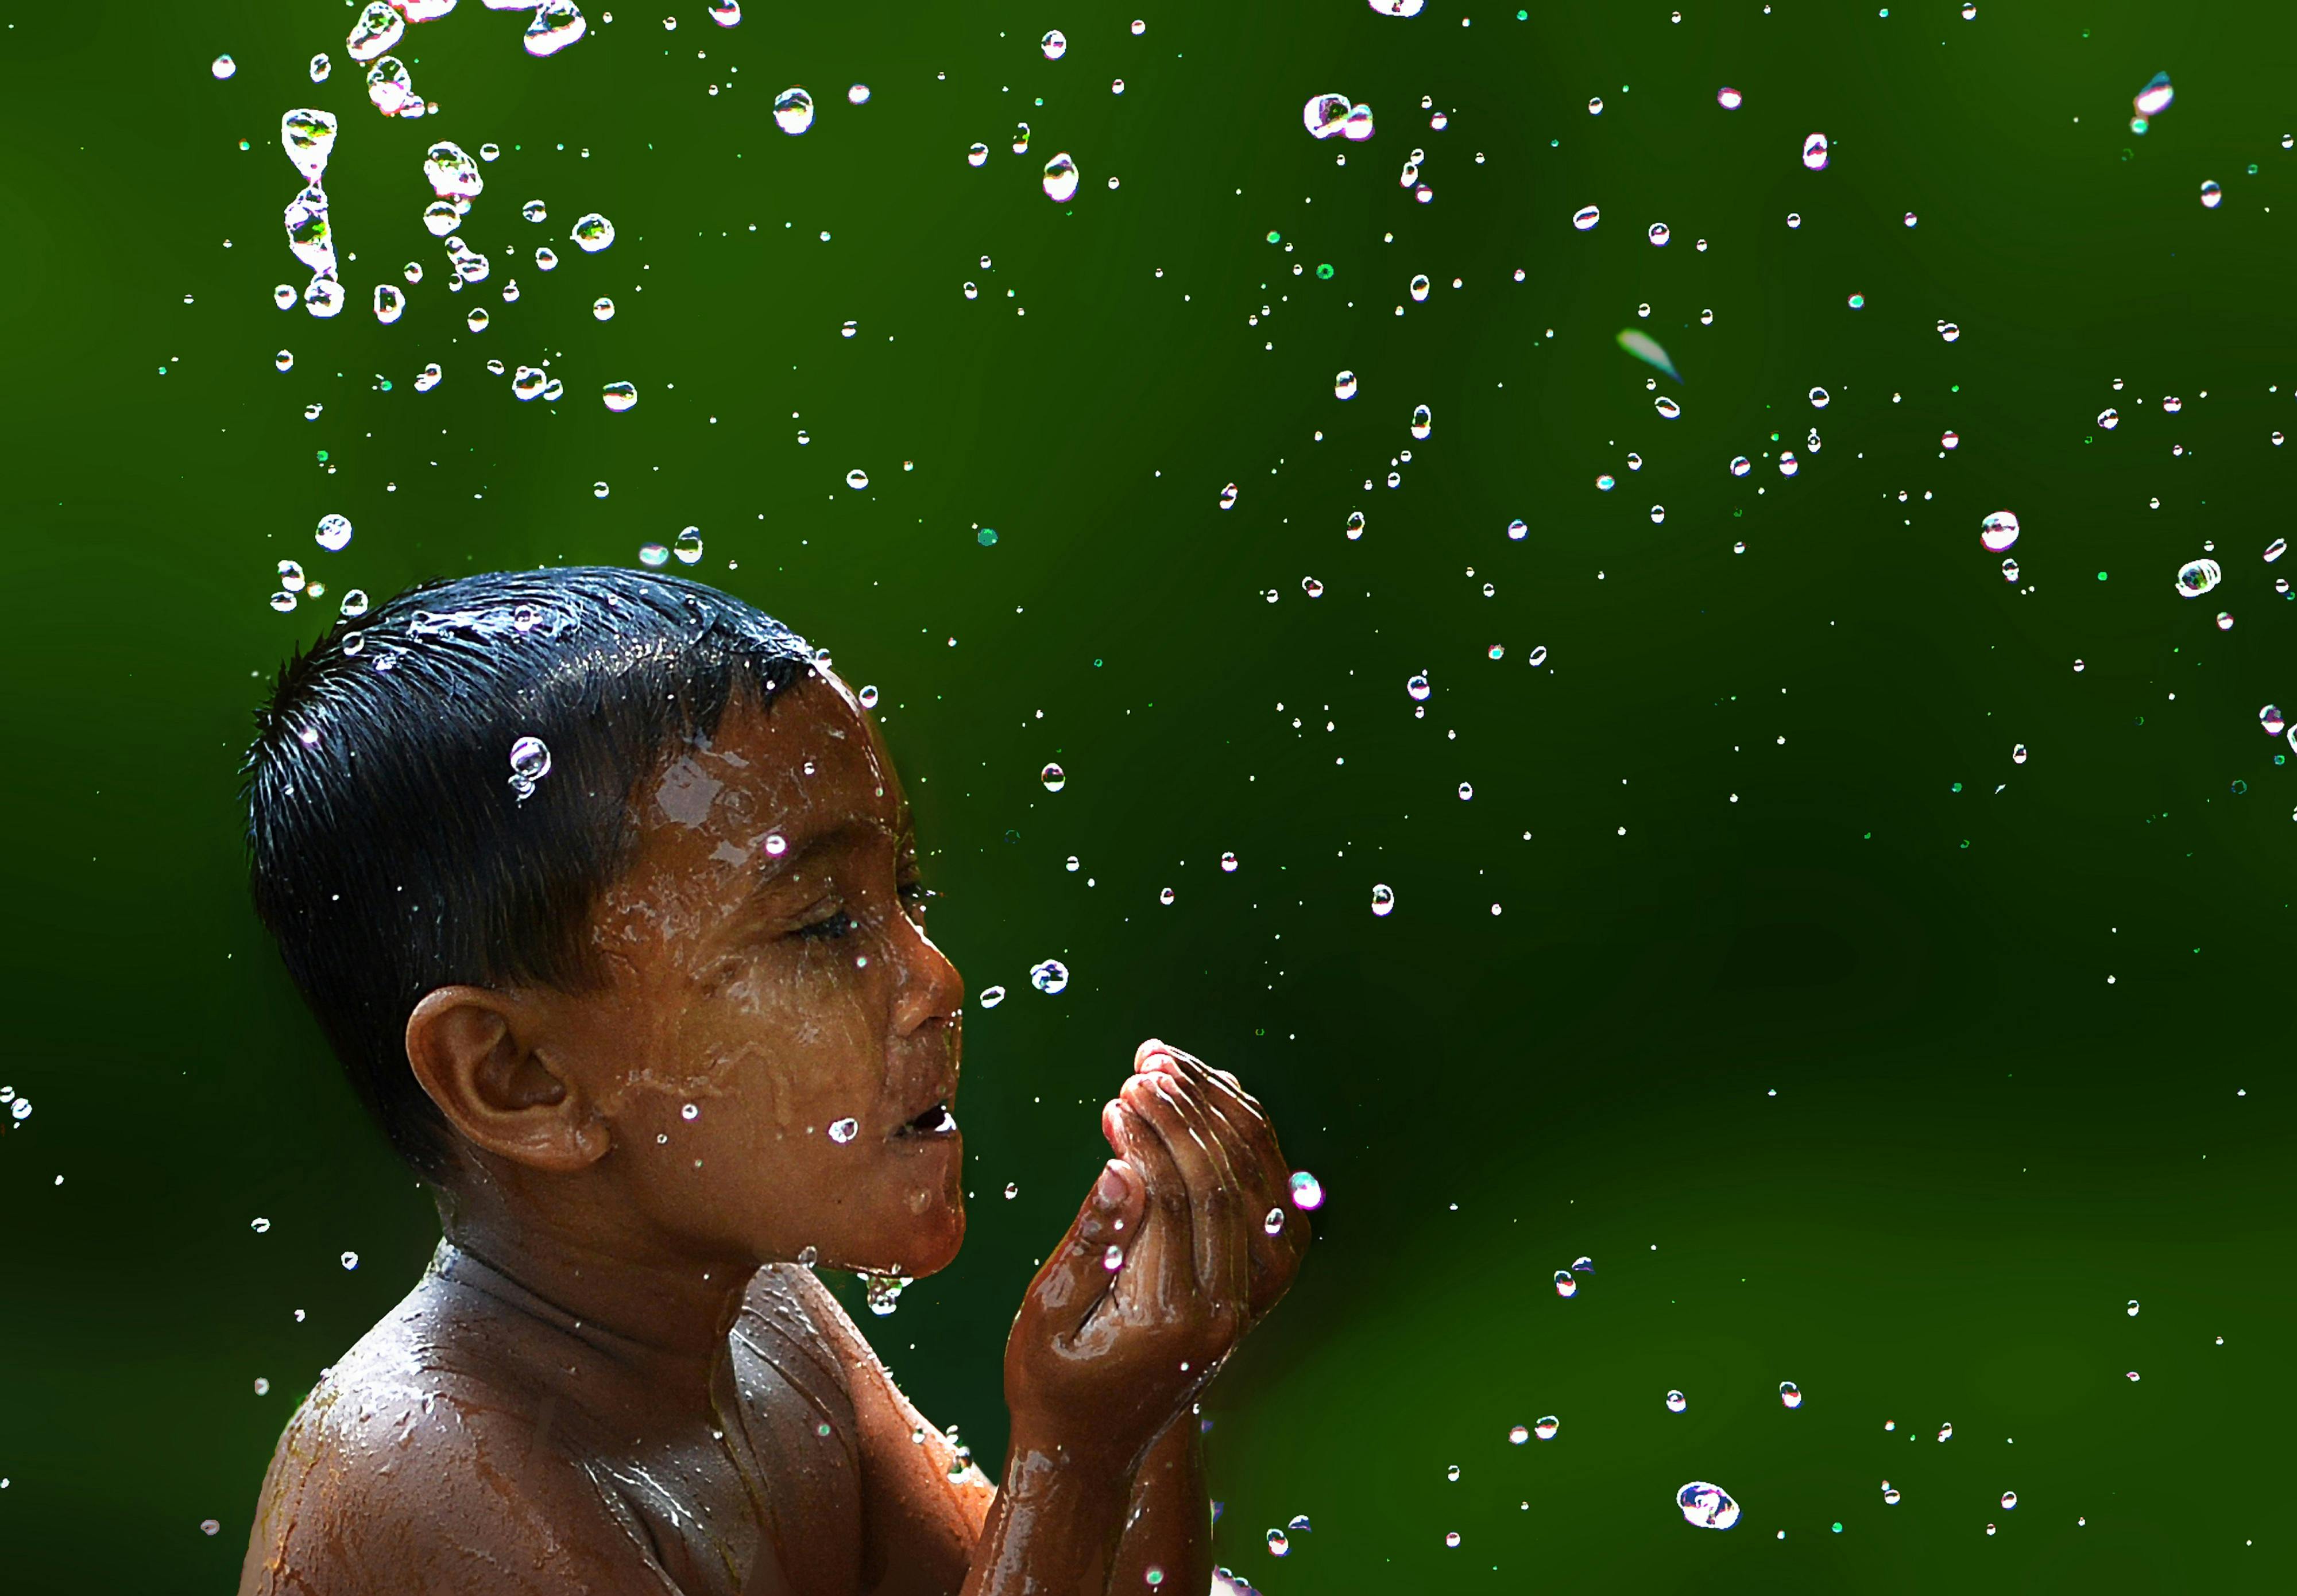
(1170, 1260)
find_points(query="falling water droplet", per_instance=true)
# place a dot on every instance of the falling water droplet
(1061, 178)
(1706, 1506)
(1049, 978)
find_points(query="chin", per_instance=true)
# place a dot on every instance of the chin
(931, 1221)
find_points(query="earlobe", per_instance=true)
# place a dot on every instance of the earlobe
(474, 1051)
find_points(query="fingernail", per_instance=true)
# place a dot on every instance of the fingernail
(1158, 1063)
(1110, 1189)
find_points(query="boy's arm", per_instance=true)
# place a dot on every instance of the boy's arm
(1168, 1527)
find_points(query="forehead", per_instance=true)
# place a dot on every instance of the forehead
(807, 764)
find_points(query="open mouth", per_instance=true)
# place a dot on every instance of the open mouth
(936, 1121)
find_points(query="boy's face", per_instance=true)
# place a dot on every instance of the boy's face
(778, 1037)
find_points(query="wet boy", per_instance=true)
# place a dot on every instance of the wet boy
(605, 892)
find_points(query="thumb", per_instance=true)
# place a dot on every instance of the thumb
(1077, 1275)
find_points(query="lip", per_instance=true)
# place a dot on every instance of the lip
(935, 1122)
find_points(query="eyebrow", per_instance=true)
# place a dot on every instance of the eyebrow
(771, 873)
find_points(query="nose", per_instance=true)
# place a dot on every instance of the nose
(927, 989)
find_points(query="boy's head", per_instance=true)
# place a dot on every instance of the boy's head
(596, 880)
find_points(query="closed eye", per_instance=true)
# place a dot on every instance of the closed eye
(836, 924)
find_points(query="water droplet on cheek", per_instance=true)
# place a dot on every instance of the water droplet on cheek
(689, 1112)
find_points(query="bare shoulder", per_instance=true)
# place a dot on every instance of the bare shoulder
(419, 1464)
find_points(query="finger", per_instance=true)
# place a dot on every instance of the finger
(1215, 1199)
(1156, 1268)
(1074, 1277)
(1278, 1237)
(1251, 1141)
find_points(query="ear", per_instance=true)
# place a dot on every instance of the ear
(473, 1051)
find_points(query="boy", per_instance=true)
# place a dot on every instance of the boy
(603, 888)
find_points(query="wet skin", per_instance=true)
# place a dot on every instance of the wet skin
(617, 1375)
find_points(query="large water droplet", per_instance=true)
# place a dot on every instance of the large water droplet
(2197, 577)
(1049, 978)
(1706, 1506)
(1325, 114)
(308, 137)
(334, 533)
(1998, 532)
(793, 111)
(1061, 179)
(592, 234)
(556, 24)
(1307, 1192)
(378, 28)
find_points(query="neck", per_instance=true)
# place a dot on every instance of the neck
(661, 1311)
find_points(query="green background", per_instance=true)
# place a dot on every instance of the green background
(2009, 1012)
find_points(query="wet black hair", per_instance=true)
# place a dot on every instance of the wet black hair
(405, 835)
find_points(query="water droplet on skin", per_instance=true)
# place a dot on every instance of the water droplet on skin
(1815, 152)
(1112, 1261)
(1546, 1428)
(1998, 532)
(1272, 1222)
(334, 533)
(1565, 1283)
(1061, 178)
(1676, 1402)
(2198, 577)
(1587, 216)
(1706, 1506)
(1049, 978)
(1306, 1192)
(844, 1131)
(1790, 1394)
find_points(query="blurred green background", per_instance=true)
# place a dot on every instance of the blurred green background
(1851, 1051)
